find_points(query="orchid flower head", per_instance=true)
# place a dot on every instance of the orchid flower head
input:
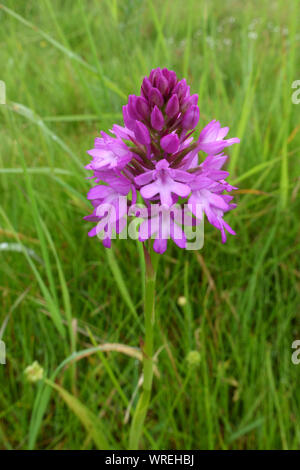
(155, 159)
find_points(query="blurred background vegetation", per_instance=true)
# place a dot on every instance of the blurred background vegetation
(68, 67)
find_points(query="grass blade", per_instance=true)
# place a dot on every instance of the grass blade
(88, 419)
(114, 266)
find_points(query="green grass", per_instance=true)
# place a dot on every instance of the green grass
(68, 67)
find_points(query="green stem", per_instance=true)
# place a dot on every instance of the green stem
(144, 400)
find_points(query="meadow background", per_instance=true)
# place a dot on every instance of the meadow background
(68, 67)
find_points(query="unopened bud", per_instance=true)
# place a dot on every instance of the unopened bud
(181, 89)
(146, 87)
(172, 107)
(170, 143)
(171, 77)
(132, 107)
(162, 84)
(129, 122)
(142, 107)
(141, 133)
(191, 118)
(155, 97)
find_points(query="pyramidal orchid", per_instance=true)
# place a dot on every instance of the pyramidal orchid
(156, 159)
(156, 156)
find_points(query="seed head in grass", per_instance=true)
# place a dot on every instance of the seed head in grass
(193, 359)
(156, 156)
(34, 372)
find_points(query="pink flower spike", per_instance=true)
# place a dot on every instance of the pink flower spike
(155, 156)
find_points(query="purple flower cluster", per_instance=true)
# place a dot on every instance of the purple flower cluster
(155, 155)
